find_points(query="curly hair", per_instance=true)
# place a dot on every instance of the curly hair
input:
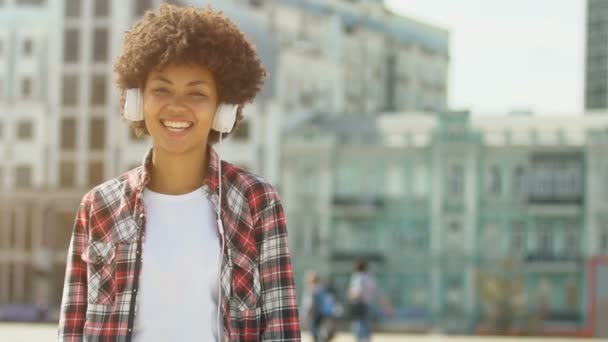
(189, 35)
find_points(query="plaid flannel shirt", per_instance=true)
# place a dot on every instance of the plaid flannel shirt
(104, 259)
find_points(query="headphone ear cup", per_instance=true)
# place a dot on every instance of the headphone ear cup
(134, 105)
(225, 116)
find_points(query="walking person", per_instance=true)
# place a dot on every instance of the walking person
(185, 247)
(320, 308)
(363, 293)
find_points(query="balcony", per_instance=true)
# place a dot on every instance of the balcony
(554, 263)
(351, 256)
(355, 206)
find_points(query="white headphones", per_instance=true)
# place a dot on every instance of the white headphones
(224, 119)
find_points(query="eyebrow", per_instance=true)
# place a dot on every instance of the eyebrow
(192, 83)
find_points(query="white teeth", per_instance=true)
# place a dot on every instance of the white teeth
(177, 124)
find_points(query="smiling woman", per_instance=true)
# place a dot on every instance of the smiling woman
(160, 39)
(215, 270)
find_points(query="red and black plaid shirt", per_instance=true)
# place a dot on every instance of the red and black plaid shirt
(104, 259)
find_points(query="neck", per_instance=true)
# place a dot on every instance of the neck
(177, 174)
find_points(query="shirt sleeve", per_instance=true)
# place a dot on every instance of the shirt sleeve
(74, 299)
(279, 317)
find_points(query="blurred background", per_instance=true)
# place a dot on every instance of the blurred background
(459, 147)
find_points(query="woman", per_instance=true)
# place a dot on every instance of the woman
(184, 247)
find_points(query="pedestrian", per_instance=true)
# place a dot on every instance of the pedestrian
(319, 306)
(185, 247)
(363, 293)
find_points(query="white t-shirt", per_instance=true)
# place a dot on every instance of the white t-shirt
(177, 298)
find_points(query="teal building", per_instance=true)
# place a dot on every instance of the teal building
(470, 223)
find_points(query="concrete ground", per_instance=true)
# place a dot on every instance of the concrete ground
(45, 332)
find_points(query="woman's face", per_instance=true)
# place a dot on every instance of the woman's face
(179, 107)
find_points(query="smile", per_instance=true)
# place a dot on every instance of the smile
(176, 126)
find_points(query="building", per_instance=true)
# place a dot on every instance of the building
(341, 56)
(446, 205)
(596, 66)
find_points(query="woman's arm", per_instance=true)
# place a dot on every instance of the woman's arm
(74, 301)
(279, 320)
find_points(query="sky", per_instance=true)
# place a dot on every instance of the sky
(510, 54)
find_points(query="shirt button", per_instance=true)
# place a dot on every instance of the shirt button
(130, 330)
(99, 258)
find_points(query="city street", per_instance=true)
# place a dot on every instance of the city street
(39, 333)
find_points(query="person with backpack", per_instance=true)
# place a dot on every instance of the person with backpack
(320, 309)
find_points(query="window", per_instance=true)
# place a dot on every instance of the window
(456, 180)
(28, 47)
(98, 90)
(73, 8)
(95, 172)
(604, 241)
(24, 130)
(141, 6)
(556, 178)
(70, 90)
(71, 45)
(97, 134)
(572, 243)
(23, 175)
(102, 8)
(100, 44)
(242, 133)
(545, 240)
(454, 234)
(518, 180)
(26, 87)
(68, 134)
(394, 181)
(518, 238)
(67, 173)
(495, 181)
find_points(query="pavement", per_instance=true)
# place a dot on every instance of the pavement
(18, 332)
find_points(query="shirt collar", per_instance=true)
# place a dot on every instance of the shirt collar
(211, 180)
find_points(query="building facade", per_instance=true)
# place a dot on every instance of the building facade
(454, 212)
(342, 56)
(596, 63)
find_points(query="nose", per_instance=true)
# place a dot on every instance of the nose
(176, 103)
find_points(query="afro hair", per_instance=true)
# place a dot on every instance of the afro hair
(190, 35)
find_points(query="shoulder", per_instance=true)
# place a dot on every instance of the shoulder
(256, 190)
(113, 191)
